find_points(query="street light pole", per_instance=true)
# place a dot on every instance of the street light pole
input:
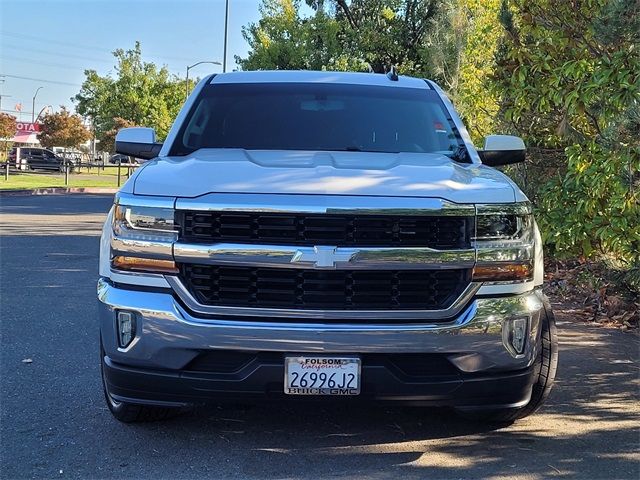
(33, 105)
(226, 27)
(186, 90)
(46, 107)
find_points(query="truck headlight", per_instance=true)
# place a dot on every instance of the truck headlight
(144, 223)
(143, 239)
(501, 226)
(504, 241)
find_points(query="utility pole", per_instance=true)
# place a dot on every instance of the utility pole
(226, 28)
(1, 96)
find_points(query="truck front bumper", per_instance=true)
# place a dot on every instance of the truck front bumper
(176, 358)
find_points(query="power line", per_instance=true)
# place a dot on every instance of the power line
(18, 77)
(84, 46)
(15, 111)
(39, 62)
(57, 54)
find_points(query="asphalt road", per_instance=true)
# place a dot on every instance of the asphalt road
(55, 424)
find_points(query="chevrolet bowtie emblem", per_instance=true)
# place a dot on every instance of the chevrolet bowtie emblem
(324, 257)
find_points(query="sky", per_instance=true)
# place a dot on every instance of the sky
(49, 43)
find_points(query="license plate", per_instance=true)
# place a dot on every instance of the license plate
(321, 375)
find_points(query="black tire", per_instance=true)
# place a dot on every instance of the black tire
(545, 366)
(131, 412)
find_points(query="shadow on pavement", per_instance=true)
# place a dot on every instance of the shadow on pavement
(589, 428)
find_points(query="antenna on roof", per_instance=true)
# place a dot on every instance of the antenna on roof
(392, 74)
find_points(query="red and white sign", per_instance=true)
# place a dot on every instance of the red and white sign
(27, 127)
(26, 132)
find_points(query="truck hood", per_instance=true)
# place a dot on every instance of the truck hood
(324, 173)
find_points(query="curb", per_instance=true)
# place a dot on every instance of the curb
(57, 191)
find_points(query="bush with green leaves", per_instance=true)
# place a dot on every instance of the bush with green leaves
(593, 210)
(568, 74)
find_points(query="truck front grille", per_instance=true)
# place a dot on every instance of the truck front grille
(439, 232)
(292, 288)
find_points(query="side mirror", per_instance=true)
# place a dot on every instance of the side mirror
(502, 150)
(138, 142)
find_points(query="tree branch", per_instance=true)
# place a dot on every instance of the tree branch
(345, 9)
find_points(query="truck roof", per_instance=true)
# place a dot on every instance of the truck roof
(308, 76)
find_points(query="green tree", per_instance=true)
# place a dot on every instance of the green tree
(477, 31)
(62, 129)
(362, 35)
(284, 40)
(569, 78)
(391, 32)
(139, 93)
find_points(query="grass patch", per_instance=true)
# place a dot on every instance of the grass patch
(20, 181)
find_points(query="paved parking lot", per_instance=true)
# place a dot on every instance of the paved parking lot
(55, 424)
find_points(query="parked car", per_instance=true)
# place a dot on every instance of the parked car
(324, 235)
(33, 158)
(119, 159)
(124, 160)
(74, 158)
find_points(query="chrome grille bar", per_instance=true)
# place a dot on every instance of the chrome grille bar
(323, 257)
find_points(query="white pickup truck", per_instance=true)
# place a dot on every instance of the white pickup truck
(322, 236)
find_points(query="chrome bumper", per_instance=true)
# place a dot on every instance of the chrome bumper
(169, 337)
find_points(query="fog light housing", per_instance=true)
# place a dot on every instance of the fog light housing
(126, 325)
(514, 335)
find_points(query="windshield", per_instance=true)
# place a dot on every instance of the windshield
(307, 116)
